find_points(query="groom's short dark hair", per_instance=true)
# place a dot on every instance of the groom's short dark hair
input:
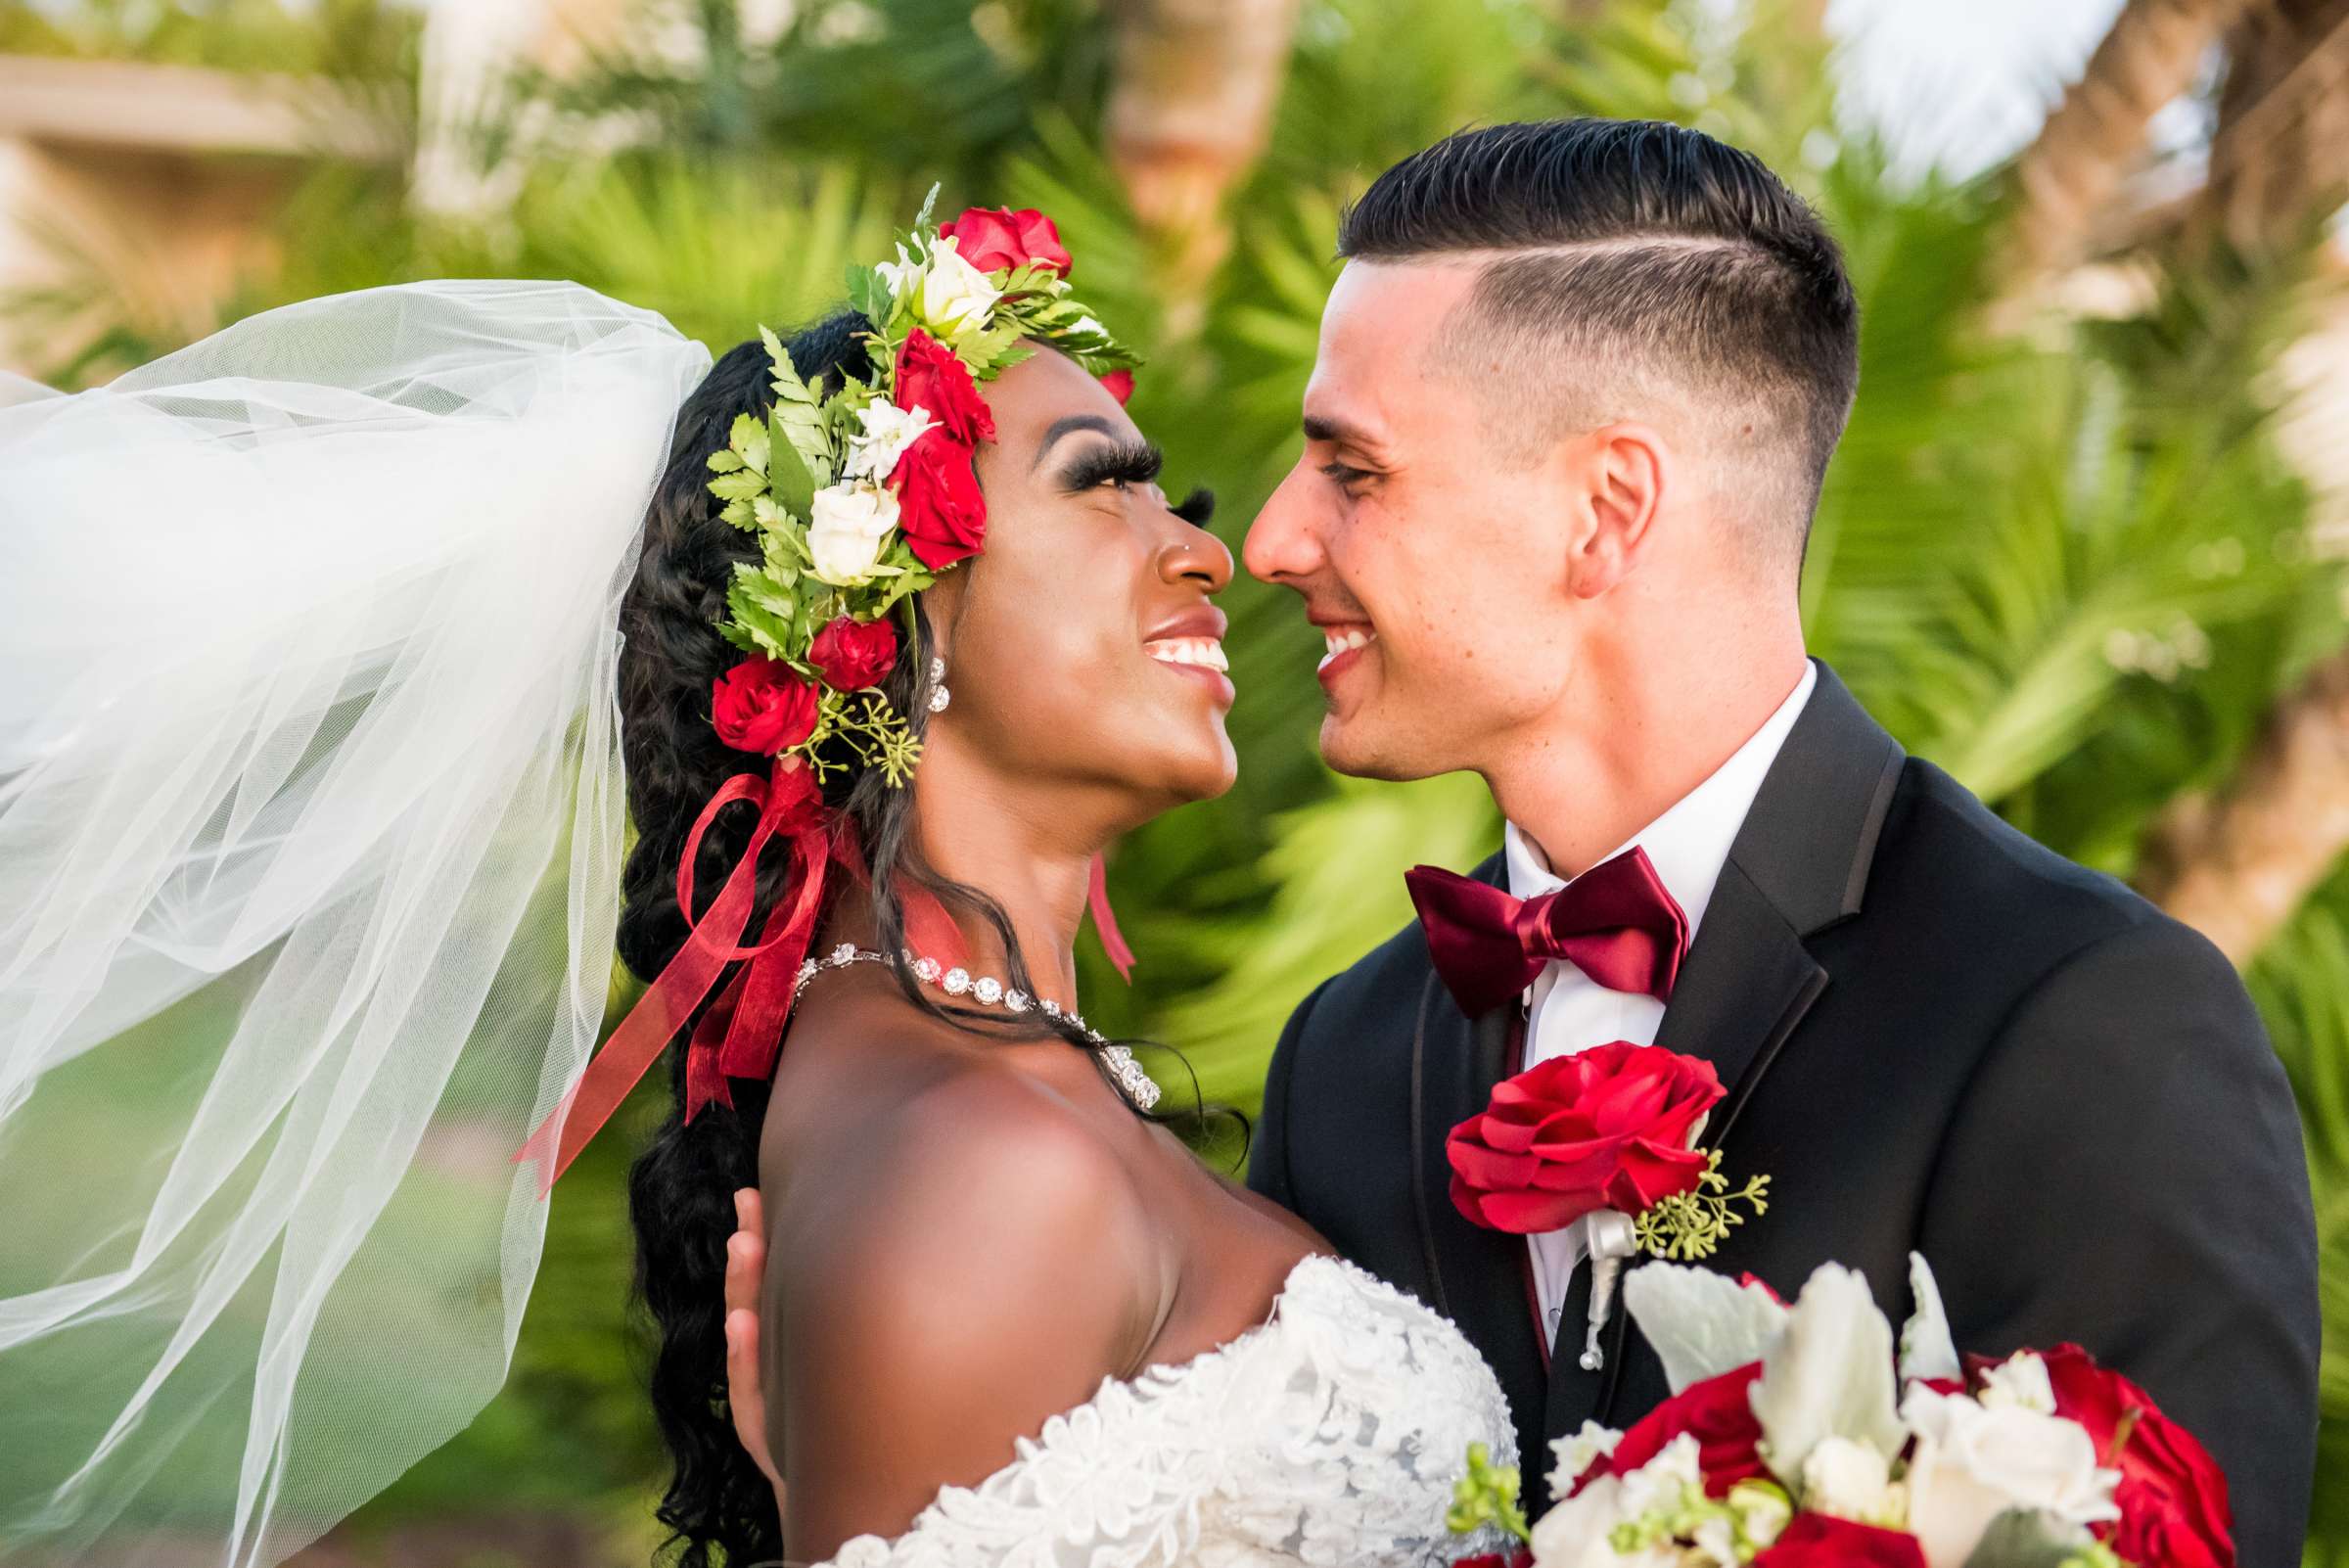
(1680, 263)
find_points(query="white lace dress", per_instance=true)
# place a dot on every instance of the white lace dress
(1331, 1434)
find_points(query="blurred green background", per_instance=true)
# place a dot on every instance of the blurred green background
(2082, 545)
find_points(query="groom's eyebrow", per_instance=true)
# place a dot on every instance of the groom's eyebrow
(1341, 433)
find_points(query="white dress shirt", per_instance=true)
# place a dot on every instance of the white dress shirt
(1566, 1010)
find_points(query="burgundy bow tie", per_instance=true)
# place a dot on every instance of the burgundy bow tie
(1616, 922)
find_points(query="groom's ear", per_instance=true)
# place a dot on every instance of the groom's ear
(1617, 477)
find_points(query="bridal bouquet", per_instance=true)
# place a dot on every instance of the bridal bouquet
(1800, 1437)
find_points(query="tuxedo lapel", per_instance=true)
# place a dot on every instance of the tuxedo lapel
(1479, 1275)
(1798, 865)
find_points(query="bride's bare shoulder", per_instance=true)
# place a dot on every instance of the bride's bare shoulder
(948, 1266)
(946, 1161)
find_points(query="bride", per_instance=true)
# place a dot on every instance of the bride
(332, 644)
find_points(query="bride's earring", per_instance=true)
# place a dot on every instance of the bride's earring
(939, 695)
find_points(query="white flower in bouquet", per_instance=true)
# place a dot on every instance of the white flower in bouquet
(2022, 1381)
(846, 524)
(1700, 1323)
(887, 430)
(1853, 1481)
(1581, 1531)
(1577, 1453)
(1829, 1374)
(1574, 1532)
(1975, 1462)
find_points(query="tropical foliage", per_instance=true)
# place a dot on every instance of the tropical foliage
(2069, 565)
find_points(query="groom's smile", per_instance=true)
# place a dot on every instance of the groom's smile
(1345, 639)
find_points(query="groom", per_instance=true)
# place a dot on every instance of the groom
(1576, 386)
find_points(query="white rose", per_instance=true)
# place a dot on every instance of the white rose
(955, 295)
(887, 430)
(1851, 1480)
(1575, 1454)
(1972, 1464)
(846, 527)
(2020, 1380)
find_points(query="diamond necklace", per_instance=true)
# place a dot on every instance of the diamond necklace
(989, 992)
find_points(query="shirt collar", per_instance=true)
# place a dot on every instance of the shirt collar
(1689, 842)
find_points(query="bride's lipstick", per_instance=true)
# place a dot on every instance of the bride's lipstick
(1192, 645)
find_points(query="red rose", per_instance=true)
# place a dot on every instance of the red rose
(763, 705)
(1718, 1412)
(852, 655)
(2171, 1496)
(1821, 1540)
(939, 501)
(1119, 384)
(1602, 1128)
(1515, 1558)
(995, 238)
(931, 377)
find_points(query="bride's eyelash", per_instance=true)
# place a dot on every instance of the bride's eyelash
(1128, 463)
(1198, 508)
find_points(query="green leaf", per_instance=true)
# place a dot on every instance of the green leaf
(747, 439)
(725, 462)
(869, 294)
(739, 485)
(748, 601)
(787, 472)
(742, 514)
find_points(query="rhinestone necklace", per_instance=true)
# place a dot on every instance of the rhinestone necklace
(989, 991)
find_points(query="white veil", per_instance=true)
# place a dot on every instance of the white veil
(310, 818)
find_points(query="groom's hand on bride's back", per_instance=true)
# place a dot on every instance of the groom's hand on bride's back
(746, 1396)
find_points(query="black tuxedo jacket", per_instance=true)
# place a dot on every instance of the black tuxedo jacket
(1936, 1035)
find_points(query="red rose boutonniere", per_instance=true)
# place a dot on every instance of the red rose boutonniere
(1608, 1129)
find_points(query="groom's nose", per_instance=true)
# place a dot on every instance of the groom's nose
(1284, 542)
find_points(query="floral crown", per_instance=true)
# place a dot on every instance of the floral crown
(862, 499)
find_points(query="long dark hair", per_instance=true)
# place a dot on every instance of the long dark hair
(680, 1189)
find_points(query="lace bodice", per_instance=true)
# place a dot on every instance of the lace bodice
(1330, 1434)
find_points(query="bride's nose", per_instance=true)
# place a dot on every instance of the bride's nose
(1199, 557)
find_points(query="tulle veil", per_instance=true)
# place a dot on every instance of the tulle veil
(310, 821)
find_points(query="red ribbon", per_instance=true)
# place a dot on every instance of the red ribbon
(741, 1033)
(748, 1015)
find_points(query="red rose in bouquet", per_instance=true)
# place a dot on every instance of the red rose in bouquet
(940, 505)
(1603, 1128)
(1718, 1413)
(852, 655)
(763, 705)
(932, 378)
(1119, 384)
(1821, 1540)
(994, 238)
(2171, 1496)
